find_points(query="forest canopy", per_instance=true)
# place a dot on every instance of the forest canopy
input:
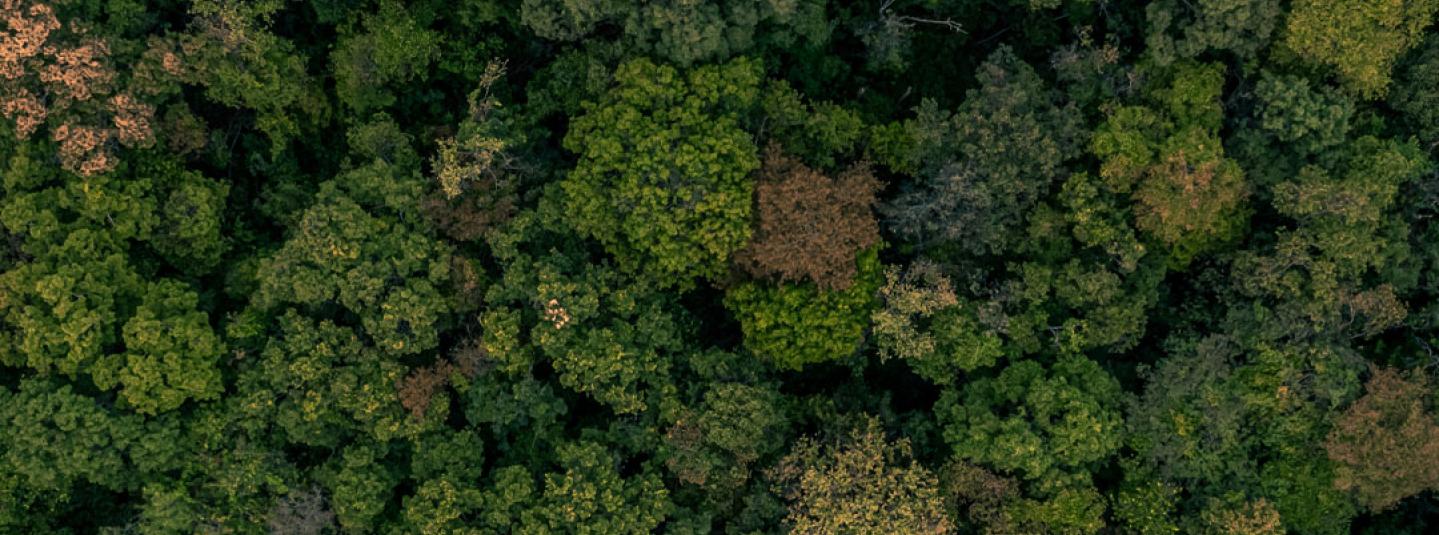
(747, 267)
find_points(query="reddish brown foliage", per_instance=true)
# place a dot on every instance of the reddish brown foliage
(29, 28)
(1386, 443)
(469, 216)
(808, 225)
(45, 72)
(82, 148)
(77, 73)
(132, 120)
(419, 388)
(687, 440)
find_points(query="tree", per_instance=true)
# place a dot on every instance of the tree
(56, 438)
(172, 354)
(809, 227)
(361, 245)
(1315, 272)
(663, 177)
(1188, 426)
(733, 426)
(1383, 441)
(1241, 27)
(1043, 425)
(359, 484)
(1188, 195)
(795, 325)
(981, 169)
(1359, 40)
(392, 49)
(590, 496)
(682, 31)
(607, 333)
(1233, 515)
(1414, 95)
(1312, 119)
(323, 384)
(864, 483)
(819, 133)
(924, 322)
(61, 77)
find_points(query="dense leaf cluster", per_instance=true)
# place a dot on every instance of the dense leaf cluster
(719, 266)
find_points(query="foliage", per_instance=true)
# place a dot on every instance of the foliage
(981, 168)
(795, 325)
(663, 180)
(809, 227)
(718, 266)
(864, 484)
(682, 31)
(1382, 440)
(1185, 30)
(923, 322)
(1037, 423)
(1298, 114)
(1187, 195)
(1360, 41)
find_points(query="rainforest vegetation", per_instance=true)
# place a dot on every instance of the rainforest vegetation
(609, 267)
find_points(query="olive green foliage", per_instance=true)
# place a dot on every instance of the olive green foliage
(794, 325)
(714, 444)
(488, 267)
(983, 167)
(923, 322)
(588, 495)
(1359, 41)
(864, 484)
(682, 31)
(1414, 95)
(389, 48)
(1188, 195)
(1076, 419)
(663, 178)
(605, 333)
(1296, 113)
(1185, 30)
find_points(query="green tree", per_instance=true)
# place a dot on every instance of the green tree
(56, 438)
(794, 325)
(981, 169)
(923, 321)
(1186, 30)
(732, 427)
(864, 483)
(172, 354)
(590, 496)
(230, 51)
(319, 384)
(682, 31)
(1358, 40)
(1310, 119)
(608, 334)
(1188, 196)
(1414, 95)
(391, 49)
(1044, 425)
(663, 177)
